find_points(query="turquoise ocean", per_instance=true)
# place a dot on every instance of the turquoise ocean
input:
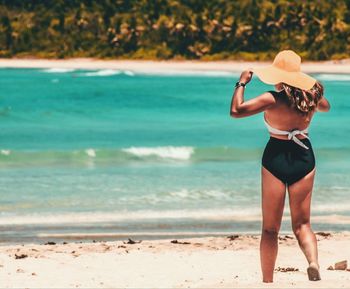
(111, 154)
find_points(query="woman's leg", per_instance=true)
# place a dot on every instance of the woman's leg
(273, 197)
(300, 201)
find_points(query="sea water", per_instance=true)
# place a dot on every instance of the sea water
(110, 154)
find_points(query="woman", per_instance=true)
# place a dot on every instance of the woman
(288, 159)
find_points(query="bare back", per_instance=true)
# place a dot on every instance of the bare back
(284, 117)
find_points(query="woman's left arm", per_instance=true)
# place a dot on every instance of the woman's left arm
(241, 108)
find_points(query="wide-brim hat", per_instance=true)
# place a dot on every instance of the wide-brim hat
(285, 68)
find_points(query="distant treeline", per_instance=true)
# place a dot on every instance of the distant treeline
(180, 29)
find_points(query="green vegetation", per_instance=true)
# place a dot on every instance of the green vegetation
(170, 29)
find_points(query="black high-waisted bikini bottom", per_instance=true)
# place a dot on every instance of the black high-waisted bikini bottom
(287, 160)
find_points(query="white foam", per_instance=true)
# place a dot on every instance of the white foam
(167, 152)
(195, 194)
(124, 216)
(90, 152)
(58, 70)
(332, 219)
(103, 72)
(175, 72)
(331, 208)
(5, 152)
(129, 73)
(151, 71)
(252, 214)
(333, 77)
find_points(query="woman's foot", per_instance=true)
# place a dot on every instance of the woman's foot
(313, 272)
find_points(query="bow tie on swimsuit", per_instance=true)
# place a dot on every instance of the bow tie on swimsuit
(291, 134)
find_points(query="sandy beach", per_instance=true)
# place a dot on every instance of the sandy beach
(220, 262)
(137, 152)
(340, 66)
(201, 262)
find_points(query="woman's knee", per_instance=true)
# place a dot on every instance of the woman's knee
(299, 227)
(271, 230)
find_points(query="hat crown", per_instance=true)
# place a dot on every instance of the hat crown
(287, 60)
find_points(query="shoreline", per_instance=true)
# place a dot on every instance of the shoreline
(340, 66)
(88, 237)
(91, 227)
(220, 262)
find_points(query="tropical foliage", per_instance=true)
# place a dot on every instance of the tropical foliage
(164, 29)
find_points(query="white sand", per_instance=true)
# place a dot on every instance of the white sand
(206, 262)
(167, 66)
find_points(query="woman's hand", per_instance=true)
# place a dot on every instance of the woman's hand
(246, 76)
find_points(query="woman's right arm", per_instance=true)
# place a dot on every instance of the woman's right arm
(323, 105)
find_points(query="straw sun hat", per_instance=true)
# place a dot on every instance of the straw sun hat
(285, 68)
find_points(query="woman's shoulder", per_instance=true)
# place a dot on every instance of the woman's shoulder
(279, 95)
(273, 92)
(276, 93)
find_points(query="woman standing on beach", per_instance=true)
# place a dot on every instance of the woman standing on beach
(288, 160)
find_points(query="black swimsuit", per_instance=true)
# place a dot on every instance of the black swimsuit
(286, 159)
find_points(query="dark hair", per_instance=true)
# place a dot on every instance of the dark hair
(304, 101)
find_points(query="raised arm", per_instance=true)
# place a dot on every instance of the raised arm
(241, 108)
(323, 105)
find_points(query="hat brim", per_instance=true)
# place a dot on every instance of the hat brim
(273, 75)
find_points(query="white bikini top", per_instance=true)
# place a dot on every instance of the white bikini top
(291, 134)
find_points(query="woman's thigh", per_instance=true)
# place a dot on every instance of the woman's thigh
(273, 197)
(300, 199)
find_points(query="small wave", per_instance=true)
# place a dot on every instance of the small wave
(91, 153)
(129, 73)
(332, 219)
(333, 77)
(142, 215)
(175, 72)
(103, 72)
(251, 214)
(161, 154)
(58, 70)
(332, 208)
(195, 194)
(183, 196)
(180, 153)
(5, 152)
